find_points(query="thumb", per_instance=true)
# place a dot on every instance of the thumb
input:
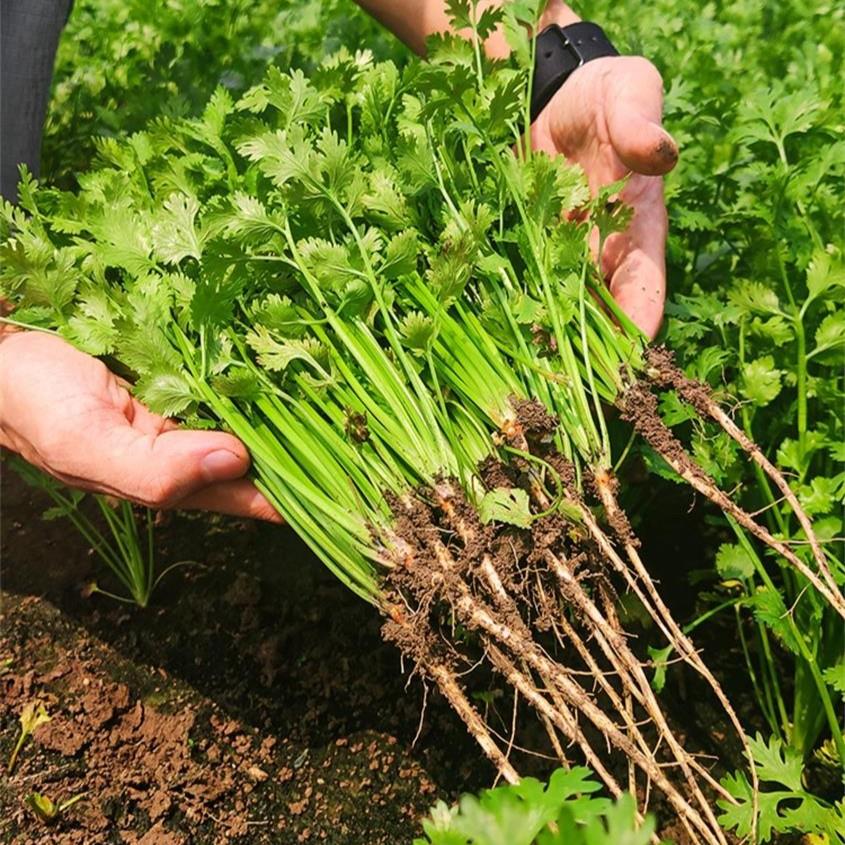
(161, 469)
(633, 121)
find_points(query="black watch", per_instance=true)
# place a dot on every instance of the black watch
(560, 51)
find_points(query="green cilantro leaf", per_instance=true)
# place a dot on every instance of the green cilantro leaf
(504, 504)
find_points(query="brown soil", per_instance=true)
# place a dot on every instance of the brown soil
(535, 420)
(254, 702)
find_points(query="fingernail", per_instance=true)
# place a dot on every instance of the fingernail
(667, 150)
(222, 465)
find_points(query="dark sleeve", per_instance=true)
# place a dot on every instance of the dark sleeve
(29, 35)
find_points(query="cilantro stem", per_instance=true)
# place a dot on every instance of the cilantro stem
(26, 326)
(801, 357)
(762, 692)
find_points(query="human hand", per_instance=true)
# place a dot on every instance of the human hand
(65, 413)
(606, 118)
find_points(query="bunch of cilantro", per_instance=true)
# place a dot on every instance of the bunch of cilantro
(350, 273)
(205, 256)
(755, 254)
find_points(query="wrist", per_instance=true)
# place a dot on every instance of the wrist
(434, 18)
(557, 12)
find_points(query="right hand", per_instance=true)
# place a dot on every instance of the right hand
(65, 413)
(606, 118)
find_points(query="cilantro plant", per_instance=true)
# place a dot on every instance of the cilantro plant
(48, 811)
(123, 63)
(33, 715)
(127, 546)
(784, 804)
(563, 812)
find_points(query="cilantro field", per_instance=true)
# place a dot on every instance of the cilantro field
(269, 232)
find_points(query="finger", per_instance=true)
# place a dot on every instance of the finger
(147, 422)
(154, 469)
(634, 261)
(236, 498)
(633, 114)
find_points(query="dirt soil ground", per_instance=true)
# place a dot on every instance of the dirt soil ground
(254, 702)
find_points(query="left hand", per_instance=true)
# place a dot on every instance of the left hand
(606, 118)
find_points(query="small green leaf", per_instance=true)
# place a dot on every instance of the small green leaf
(168, 394)
(400, 255)
(835, 677)
(777, 763)
(830, 334)
(527, 310)
(761, 380)
(823, 273)
(276, 356)
(175, 235)
(238, 383)
(279, 315)
(674, 411)
(820, 495)
(505, 504)
(789, 456)
(754, 297)
(43, 808)
(417, 330)
(733, 561)
(769, 608)
(146, 350)
(385, 203)
(659, 658)
(33, 715)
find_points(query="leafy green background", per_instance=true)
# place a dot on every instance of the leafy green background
(123, 63)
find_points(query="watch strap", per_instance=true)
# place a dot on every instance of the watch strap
(560, 50)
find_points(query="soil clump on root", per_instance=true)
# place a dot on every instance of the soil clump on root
(525, 594)
(639, 406)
